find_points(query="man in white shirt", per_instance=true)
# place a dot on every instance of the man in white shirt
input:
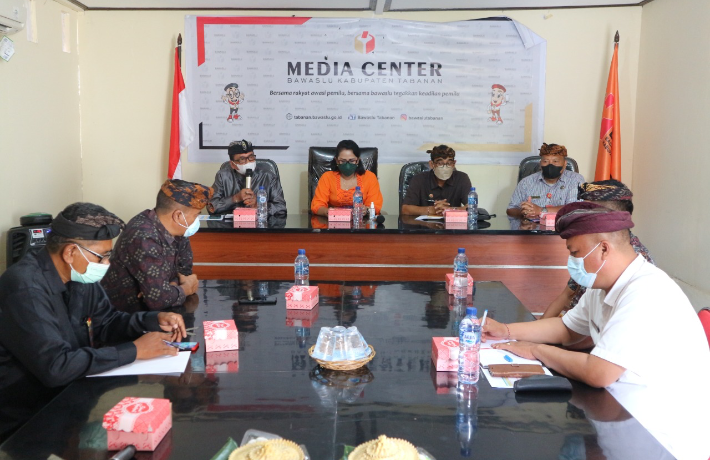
(642, 324)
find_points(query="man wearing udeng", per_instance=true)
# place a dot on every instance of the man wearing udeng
(55, 317)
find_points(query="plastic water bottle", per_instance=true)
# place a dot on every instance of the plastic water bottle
(469, 347)
(301, 269)
(460, 289)
(466, 415)
(261, 205)
(472, 205)
(358, 207)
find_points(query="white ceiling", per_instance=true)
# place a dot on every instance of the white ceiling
(373, 5)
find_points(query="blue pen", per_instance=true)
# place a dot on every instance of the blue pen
(508, 358)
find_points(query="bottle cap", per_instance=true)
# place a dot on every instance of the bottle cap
(261, 187)
(471, 311)
(357, 188)
(462, 250)
(301, 252)
(473, 189)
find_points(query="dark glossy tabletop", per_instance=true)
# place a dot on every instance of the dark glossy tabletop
(278, 388)
(307, 223)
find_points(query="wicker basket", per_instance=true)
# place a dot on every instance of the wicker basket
(343, 365)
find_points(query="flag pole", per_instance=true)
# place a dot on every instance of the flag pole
(616, 39)
(179, 46)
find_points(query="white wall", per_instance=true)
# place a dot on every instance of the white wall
(671, 161)
(40, 153)
(126, 64)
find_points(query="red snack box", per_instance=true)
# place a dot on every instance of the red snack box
(302, 318)
(456, 215)
(450, 284)
(244, 214)
(222, 362)
(445, 353)
(302, 297)
(444, 382)
(141, 422)
(547, 219)
(340, 214)
(221, 335)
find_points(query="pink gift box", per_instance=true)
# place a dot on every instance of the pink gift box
(221, 335)
(445, 353)
(444, 382)
(302, 297)
(339, 224)
(244, 214)
(450, 284)
(547, 219)
(222, 362)
(142, 422)
(340, 214)
(456, 215)
(302, 318)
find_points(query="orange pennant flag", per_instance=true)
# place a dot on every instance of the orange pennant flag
(609, 153)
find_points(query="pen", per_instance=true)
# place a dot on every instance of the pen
(483, 321)
(91, 331)
(164, 332)
(508, 358)
(174, 344)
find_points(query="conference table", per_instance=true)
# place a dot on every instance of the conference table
(271, 384)
(529, 259)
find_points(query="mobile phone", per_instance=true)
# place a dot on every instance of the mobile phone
(184, 346)
(258, 300)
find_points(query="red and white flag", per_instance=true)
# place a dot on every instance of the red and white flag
(181, 132)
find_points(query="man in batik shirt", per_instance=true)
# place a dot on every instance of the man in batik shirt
(151, 268)
(613, 195)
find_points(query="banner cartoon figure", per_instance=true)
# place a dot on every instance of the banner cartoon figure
(498, 99)
(233, 97)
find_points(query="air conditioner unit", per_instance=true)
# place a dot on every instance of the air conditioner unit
(13, 15)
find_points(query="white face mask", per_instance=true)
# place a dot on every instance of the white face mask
(93, 274)
(575, 267)
(443, 172)
(242, 169)
(189, 229)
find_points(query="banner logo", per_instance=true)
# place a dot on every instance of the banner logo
(365, 43)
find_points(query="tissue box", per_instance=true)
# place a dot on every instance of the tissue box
(340, 214)
(339, 224)
(244, 214)
(456, 215)
(302, 297)
(221, 335)
(444, 382)
(302, 318)
(222, 362)
(142, 422)
(547, 219)
(450, 284)
(445, 353)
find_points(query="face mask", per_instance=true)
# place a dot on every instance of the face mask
(551, 171)
(347, 169)
(443, 172)
(94, 271)
(242, 169)
(192, 229)
(575, 266)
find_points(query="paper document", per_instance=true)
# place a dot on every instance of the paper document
(429, 218)
(160, 365)
(504, 382)
(492, 356)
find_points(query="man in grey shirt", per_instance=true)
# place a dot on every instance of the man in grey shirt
(229, 186)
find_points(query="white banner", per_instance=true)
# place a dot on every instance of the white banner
(286, 84)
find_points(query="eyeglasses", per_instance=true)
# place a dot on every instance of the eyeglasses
(445, 163)
(352, 161)
(245, 160)
(101, 258)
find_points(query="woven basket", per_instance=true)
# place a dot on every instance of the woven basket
(343, 365)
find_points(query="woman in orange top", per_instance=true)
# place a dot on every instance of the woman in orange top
(335, 188)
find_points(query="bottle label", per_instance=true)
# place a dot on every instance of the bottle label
(302, 269)
(460, 266)
(262, 199)
(472, 201)
(357, 200)
(470, 338)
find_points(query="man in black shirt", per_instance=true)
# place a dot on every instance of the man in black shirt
(431, 192)
(56, 322)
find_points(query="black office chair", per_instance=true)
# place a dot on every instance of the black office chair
(265, 165)
(531, 165)
(319, 159)
(405, 175)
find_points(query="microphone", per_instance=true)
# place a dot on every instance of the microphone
(248, 175)
(380, 219)
(126, 454)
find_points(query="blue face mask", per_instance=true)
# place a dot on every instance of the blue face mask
(575, 266)
(191, 229)
(93, 274)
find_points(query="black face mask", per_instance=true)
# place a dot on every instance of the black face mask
(551, 171)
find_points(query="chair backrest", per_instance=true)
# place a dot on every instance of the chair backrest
(531, 165)
(405, 175)
(268, 166)
(319, 159)
(704, 316)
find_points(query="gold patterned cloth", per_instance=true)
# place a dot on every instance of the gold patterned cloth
(384, 448)
(272, 449)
